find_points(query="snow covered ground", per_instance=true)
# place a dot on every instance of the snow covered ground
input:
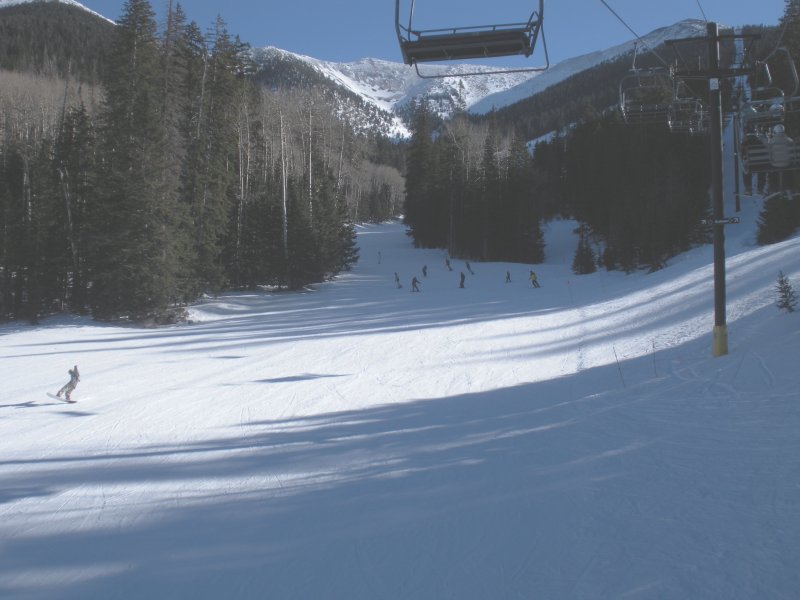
(360, 441)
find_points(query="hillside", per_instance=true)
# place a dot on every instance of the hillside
(360, 441)
(54, 39)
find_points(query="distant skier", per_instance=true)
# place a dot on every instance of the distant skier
(415, 284)
(380, 257)
(397, 280)
(469, 268)
(447, 262)
(508, 276)
(534, 279)
(424, 270)
(69, 387)
(463, 277)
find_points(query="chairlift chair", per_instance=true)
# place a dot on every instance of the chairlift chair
(645, 96)
(686, 113)
(772, 151)
(464, 43)
(764, 142)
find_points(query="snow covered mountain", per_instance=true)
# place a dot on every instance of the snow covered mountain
(390, 87)
(573, 66)
(6, 3)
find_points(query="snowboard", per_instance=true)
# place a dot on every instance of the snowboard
(60, 398)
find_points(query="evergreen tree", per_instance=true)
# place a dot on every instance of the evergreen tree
(139, 251)
(74, 169)
(584, 261)
(787, 299)
(777, 220)
(418, 175)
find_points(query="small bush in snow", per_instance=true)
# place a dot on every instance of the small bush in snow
(787, 299)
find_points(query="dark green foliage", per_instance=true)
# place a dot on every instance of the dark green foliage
(787, 299)
(171, 189)
(486, 210)
(642, 190)
(584, 261)
(54, 39)
(779, 218)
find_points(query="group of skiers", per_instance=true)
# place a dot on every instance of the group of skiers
(462, 276)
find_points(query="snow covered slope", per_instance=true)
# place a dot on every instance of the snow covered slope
(361, 441)
(6, 3)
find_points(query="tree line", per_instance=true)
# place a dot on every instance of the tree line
(470, 190)
(176, 176)
(639, 193)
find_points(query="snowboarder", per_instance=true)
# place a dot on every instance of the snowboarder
(415, 284)
(424, 270)
(508, 276)
(397, 280)
(447, 262)
(534, 279)
(74, 378)
(463, 277)
(469, 268)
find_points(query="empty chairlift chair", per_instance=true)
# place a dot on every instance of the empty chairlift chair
(645, 96)
(465, 43)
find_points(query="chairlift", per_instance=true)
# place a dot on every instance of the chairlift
(769, 151)
(464, 43)
(645, 96)
(686, 113)
(687, 116)
(765, 144)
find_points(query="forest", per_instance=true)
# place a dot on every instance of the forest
(165, 171)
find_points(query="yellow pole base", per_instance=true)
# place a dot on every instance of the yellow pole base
(720, 344)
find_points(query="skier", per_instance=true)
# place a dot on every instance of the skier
(424, 270)
(397, 280)
(463, 277)
(508, 276)
(469, 268)
(447, 262)
(74, 378)
(415, 284)
(534, 279)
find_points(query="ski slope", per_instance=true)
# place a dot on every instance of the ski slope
(360, 441)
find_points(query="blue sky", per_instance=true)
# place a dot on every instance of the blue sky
(345, 31)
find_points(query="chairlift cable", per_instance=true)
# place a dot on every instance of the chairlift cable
(705, 18)
(779, 43)
(638, 37)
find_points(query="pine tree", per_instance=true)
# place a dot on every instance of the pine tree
(584, 261)
(777, 221)
(787, 299)
(139, 251)
(418, 175)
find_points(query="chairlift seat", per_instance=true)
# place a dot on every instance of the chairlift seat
(642, 114)
(758, 156)
(467, 44)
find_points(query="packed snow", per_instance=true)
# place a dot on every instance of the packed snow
(358, 440)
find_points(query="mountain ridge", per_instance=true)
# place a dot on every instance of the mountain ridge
(391, 87)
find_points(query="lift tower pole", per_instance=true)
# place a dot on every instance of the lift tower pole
(720, 336)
